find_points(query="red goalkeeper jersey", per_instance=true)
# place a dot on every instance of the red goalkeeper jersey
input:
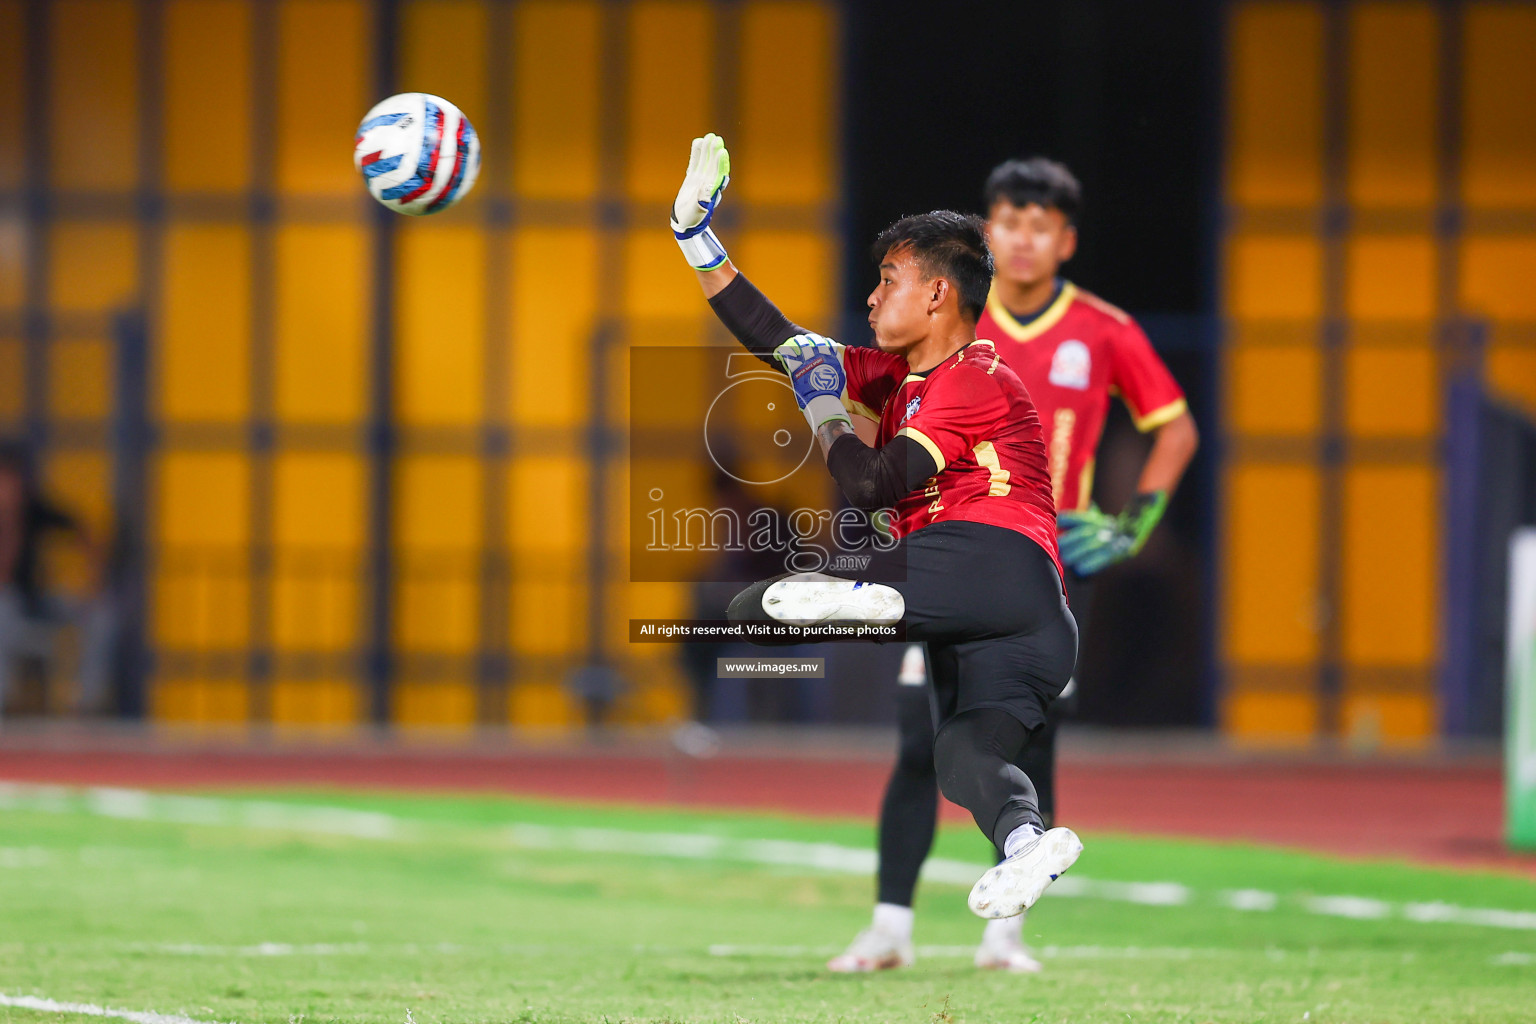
(1071, 357)
(973, 415)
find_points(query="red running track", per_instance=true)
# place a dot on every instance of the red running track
(1437, 813)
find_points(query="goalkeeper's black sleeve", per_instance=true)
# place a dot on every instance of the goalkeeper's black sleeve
(879, 477)
(753, 318)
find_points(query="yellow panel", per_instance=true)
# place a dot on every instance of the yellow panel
(668, 104)
(440, 338)
(440, 704)
(1499, 131)
(1274, 390)
(1271, 563)
(13, 260)
(797, 269)
(316, 599)
(321, 323)
(658, 284)
(1389, 564)
(1274, 277)
(543, 705)
(318, 526)
(1276, 104)
(437, 603)
(316, 702)
(13, 379)
(205, 337)
(201, 600)
(1510, 369)
(208, 103)
(1270, 717)
(438, 502)
(203, 499)
(323, 92)
(1496, 276)
(549, 615)
(557, 86)
(93, 94)
(200, 701)
(1391, 391)
(555, 337)
(80, 378)
(318, 500)
(92, 266)
(202, 594)
(1391, 719)
(1390, 277)
(13, 94)
(547, 504)
(1393, 79)
(787, 136)
(443, 51)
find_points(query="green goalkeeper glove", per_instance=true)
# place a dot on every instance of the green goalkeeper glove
(709, 171)
(1092, 540)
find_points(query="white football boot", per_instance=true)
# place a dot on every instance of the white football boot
(873, 949)
(1014, 885)
(1002, 948)
(811, 598)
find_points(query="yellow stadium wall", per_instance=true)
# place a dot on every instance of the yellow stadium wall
(195, 160)
(1380, 190)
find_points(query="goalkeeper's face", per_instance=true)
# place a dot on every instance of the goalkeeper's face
(902, 305)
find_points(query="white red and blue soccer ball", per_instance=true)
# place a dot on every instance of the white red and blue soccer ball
(418, 153)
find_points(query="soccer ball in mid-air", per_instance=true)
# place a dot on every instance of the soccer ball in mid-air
(418, 153)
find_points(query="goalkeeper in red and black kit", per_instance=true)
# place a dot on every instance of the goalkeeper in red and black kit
(960, 457)
(1073, 351)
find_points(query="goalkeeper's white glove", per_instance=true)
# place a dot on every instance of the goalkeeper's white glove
(709, 171)
(815, 368)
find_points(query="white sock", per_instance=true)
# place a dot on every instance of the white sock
(1020, 838)
(894, 920)
(1004, 929)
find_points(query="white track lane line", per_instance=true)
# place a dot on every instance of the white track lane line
(92, 1010)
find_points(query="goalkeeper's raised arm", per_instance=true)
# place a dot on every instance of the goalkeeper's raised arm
(871, 477)
(746, 312)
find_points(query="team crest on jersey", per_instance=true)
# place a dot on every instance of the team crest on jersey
(1071, 365)
(912, 407)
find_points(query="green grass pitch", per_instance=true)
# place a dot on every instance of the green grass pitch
(256, 908)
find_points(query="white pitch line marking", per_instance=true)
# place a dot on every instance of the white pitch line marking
(1360, 908)
(1250, 899)
(92, 1010)
(145, 805)
(725, 949)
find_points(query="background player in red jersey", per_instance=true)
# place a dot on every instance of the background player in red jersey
(1073, 351)
(960, 455)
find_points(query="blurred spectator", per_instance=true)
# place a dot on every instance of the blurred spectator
(32, 614)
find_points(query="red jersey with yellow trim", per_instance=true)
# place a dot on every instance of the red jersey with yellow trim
(973, 415)
(1071, 357)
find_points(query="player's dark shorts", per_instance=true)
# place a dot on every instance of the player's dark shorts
(989, 604)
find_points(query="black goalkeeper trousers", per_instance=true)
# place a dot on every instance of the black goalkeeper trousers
(909, 811)
(1001, 646)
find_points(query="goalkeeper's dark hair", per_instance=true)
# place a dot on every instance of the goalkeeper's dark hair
(945, 244)
(1036, 180)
